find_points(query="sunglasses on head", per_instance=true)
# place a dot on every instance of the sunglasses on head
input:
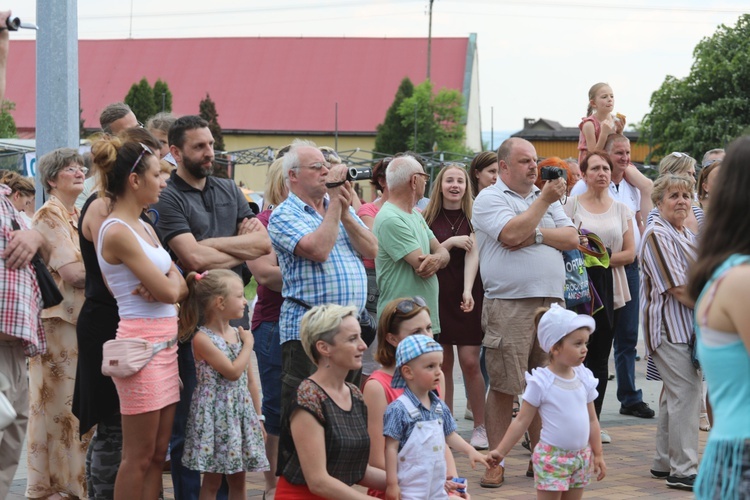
(146, 149)
(408, 305)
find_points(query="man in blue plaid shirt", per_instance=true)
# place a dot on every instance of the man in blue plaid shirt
(320, 243)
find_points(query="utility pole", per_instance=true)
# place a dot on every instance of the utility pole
(57, 98)
(429, 42)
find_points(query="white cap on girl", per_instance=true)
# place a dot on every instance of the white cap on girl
(558, 322)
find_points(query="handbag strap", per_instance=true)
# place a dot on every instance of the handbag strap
(165, 345)
(299, 302)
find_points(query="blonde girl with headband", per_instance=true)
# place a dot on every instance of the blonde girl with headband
(563, 393)
(225, 435)
(599, 122)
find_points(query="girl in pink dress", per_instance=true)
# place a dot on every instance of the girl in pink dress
(599, 122)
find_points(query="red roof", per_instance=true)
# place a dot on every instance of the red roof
(281, 85)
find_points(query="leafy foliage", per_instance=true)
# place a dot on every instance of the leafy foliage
(392, 134)
(140, 98)
(207, 111)
(7, 123)
(162, 96)
(146, 101)
(709, 107)
(439, 118)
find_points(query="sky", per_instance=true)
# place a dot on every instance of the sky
(537, 58)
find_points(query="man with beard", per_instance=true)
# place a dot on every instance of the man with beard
(206, 223)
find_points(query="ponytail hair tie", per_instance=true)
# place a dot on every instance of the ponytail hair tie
(200, 276)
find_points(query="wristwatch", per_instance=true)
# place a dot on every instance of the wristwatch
(538, 236)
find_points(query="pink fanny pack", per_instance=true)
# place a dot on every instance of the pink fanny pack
(125, 357)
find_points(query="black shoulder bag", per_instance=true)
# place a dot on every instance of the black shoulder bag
(51, 295)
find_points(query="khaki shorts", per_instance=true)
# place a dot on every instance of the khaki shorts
(511, 346)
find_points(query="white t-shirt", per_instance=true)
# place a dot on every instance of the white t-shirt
(624, 193)
(562, 405)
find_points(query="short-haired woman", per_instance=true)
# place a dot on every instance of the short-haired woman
(324, 445)
(56, 455)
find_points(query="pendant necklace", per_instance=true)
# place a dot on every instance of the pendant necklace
(459, 220)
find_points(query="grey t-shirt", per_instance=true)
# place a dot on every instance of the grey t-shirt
(533, 271)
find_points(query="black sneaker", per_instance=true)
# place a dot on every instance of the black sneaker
(640, 410)
(657, 474)
(683, 483)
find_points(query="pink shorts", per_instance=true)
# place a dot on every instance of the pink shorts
(157, 385)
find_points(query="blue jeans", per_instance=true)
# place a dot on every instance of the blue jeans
(186, 482)
(268, 351)
(626, 338)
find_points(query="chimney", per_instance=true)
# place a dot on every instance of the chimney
(528, 122)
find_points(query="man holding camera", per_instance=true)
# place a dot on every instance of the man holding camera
(521, 231)
(319, 242)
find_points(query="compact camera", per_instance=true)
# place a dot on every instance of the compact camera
(552, 173)
(358, 173)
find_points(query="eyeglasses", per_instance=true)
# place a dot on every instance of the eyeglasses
(677, 154)
(405, 307)
(74, 170)
(426, 176)
(318, 165)
(140, 125)
(146, 149)
(453, 164)
(408, 305)
(708, 163)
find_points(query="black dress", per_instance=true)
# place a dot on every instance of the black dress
(457, 327)
(95, 397)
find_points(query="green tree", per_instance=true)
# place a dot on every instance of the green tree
(207, 111)
(709, 107)
(162, 96)
(140, 98)
(392, 134)
(7, 123)
(439, 117)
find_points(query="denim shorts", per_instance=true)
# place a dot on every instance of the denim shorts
(268, 352)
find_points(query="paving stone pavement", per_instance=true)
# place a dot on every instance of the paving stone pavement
(628, 457)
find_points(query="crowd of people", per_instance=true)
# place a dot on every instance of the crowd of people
(152, 249)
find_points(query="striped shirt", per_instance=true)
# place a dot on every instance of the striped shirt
(20, 298)
(341, 279)
(666, 257)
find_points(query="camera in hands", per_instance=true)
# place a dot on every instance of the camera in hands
(552, 173)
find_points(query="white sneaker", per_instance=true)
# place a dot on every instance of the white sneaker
(605, 437)
(479, 438)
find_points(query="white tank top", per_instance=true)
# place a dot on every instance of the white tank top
(122, 281)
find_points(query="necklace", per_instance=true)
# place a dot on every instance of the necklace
(459, 220)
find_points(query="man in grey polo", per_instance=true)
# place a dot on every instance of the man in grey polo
(206, 223)
(520, 231)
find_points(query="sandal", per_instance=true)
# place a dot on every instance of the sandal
(516, 407)
(704, 424)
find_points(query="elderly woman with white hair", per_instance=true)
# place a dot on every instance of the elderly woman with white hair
(669, 249)
(324, 445)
